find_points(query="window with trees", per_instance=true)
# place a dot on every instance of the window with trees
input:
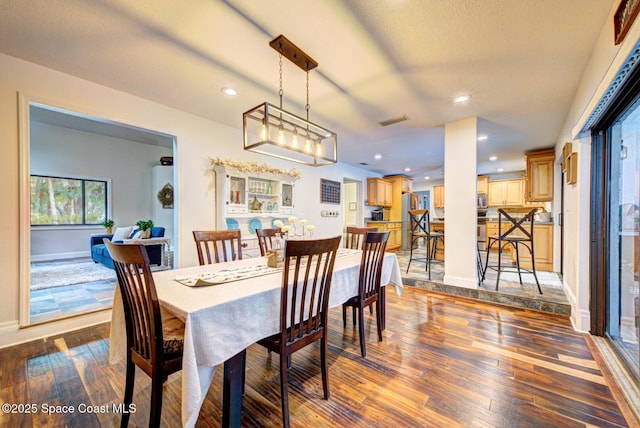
(67, 201)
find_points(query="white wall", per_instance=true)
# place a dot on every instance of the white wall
(197, 139)
(605, 62)
(64, 152)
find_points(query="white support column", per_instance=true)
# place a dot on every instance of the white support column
(460, 200)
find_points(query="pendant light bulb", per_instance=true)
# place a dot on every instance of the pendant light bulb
(294, 141)
(318, 149)
(307, 145)
(263, 131)
(281, 138)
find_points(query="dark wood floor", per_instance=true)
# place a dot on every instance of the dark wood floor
(444, 361)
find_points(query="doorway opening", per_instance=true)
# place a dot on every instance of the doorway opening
(77, 172)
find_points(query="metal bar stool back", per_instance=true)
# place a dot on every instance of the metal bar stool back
(420, 228)
(519, 232)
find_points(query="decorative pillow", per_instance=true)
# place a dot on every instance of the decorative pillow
(135, 233)
(121, 233)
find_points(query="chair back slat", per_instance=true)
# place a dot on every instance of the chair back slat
(267, 238)
(356, 236)
(215, 246)
(371, 264)
(306, 282)
(143, 321)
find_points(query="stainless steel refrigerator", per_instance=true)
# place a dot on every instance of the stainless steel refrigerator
(412, 201)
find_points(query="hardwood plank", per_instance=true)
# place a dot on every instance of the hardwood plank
(444, 361)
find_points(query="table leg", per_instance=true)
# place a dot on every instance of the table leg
(232, 389)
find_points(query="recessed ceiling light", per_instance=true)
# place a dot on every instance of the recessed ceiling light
(427, 178)
(462, 98)
(482, 138)
(407, 169)
(378, 156)
(500, 169)
(492, 158)
(229, 91)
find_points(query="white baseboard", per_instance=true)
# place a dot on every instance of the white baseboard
(60, 256)
(580, 318)
(11, 334)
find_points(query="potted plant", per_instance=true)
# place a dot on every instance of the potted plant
(145, 227)
(108, 225)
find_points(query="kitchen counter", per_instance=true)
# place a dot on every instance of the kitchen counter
(495, 220)
(368, 220)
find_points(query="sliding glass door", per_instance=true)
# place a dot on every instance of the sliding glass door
(624, 234)
(615, 223)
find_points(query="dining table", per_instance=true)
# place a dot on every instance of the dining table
(226, 307)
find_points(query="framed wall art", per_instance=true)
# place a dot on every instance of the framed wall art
(329, 191)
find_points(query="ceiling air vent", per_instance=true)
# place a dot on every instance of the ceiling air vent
(394, 120)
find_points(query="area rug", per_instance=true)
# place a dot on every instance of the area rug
(550, 279)
(49, 275)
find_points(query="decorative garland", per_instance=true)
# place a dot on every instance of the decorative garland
(254, 167)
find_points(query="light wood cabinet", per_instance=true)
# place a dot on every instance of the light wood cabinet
(407, 184)
(379, 192)
(483, 184)
(438, 196)
(395, 232)
(400, 184)
(438, 228)
(542, 248)
(492, 231)
(539, 179)
(506, 193)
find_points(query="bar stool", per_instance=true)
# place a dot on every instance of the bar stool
(515, 240)
(420, 228)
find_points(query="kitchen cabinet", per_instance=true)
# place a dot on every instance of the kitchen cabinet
(504, 193)
(438, 228)
(492, 231)
(483, 184)
(395, 232)
(542, 248)
(379, 192)
(438, 196)
(539, 178)
(400, 184)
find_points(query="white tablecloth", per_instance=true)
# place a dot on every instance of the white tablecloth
(216, 316)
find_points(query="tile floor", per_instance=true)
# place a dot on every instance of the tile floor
(510, 291)
(60, 302)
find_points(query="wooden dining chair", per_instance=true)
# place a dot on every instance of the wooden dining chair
(148, 345)
(266, 238)
(304, 305)
(368, 285)
(215, 246)
(355, 236)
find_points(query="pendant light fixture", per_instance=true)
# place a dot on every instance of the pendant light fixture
(273, 131)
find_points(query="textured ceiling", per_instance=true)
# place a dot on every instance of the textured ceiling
(520, 61)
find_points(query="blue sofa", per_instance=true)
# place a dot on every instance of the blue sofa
(100, 254)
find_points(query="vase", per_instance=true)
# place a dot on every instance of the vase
(145, 234)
